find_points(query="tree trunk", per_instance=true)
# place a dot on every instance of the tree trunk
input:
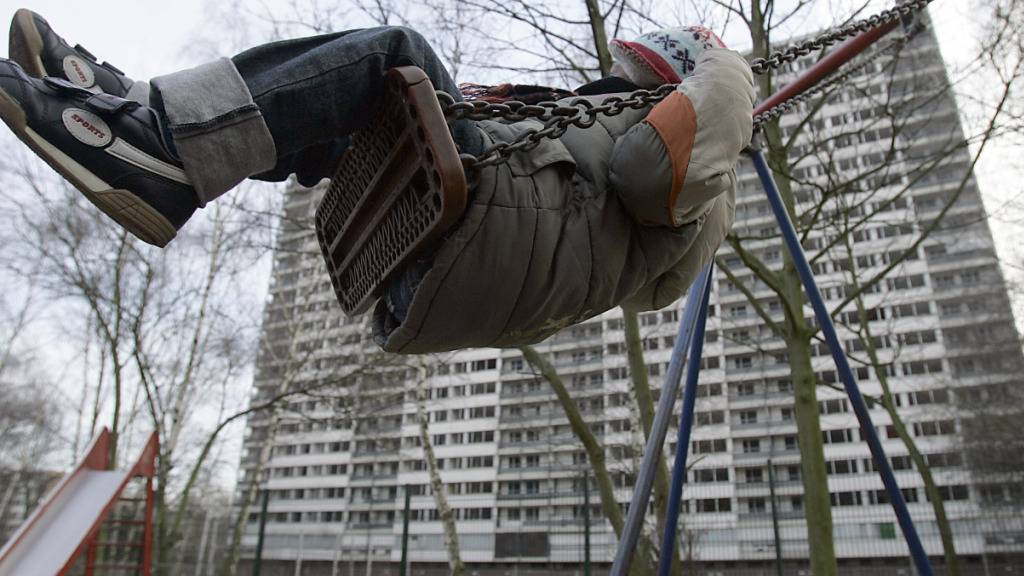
(164, 540)
(451, 535)
(595, 456)
(817, 504)
(604, 55)
(930, 487)
(813, 474)
(114, 341)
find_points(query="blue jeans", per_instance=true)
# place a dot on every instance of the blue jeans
(314, 92)
(289, 107)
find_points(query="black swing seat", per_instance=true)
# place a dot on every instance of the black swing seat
(397, 189)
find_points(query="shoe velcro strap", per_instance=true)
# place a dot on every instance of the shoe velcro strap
(112, 68)
(101, 102)
(110, 104)
(81, 50)
(63, 85)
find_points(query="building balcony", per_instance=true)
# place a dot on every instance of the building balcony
(582, 363)
(521, 418)
(376, 453)
(544, 390)
(775, 426)
(374, 477)
(568, 337)
(521, 470)
(778, 456)
(371, 525)
(374, 500)
(957, 259)
(766, 516)
(746, 489)
(760, 399)
(773, 369)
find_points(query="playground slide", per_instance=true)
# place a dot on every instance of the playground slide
(69, 517)
(54, 534)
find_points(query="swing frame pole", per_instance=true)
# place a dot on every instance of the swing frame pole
(828, 329)
(668, 543)
(659, 428)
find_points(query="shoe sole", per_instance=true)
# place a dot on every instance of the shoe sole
(26, 43)
(397, 189)
(127, 209)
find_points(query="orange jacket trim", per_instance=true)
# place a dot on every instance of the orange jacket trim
(676, 123)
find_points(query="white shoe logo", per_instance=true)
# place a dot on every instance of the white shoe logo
(86, 127)
(79, 72)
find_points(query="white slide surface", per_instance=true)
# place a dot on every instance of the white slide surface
(61, 527)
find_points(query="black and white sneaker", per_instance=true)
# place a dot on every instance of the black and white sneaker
(113, 150)
(42, 52)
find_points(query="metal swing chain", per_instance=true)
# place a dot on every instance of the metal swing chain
(830, 37)
(582, 113)
(830, 82)
(557, 119)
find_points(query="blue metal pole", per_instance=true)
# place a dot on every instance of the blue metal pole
(860, 407)
(668, 543)
(659, 428)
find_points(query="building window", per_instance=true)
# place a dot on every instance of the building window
(954, 492)
(836, 406)
(711, 505)
(709, 475)
(845, 498)
(488, 364)
(709, 446)
(709, 418)
(839, 436)
(936, 428)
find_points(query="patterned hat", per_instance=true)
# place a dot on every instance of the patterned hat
(663, 56)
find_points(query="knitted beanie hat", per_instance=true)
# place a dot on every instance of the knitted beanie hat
(663, 56)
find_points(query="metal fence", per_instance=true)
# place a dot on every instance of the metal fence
(546, 534)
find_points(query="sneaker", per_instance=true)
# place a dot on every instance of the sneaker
(41, 52)
(113, 150)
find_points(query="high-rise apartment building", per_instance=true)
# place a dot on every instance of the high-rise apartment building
(340, 459)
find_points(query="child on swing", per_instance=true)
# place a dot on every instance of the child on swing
(623, 213)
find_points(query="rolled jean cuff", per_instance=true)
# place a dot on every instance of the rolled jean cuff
(218, 130)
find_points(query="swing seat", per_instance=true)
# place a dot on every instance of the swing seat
(397, 189)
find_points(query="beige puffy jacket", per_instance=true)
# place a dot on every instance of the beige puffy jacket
(626, 212)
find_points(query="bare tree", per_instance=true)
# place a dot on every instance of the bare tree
(29, 434)
(447, 515)
(842, 200)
